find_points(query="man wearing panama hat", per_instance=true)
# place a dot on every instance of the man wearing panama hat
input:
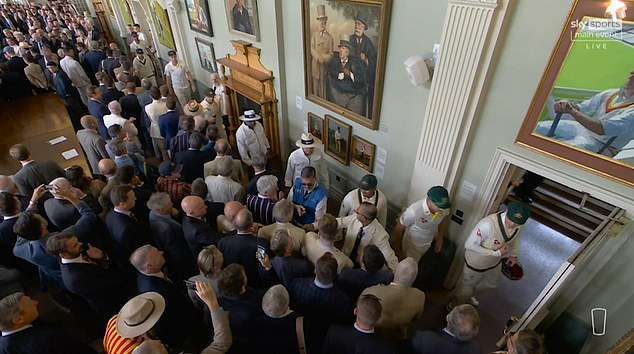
(306, 155)
(493, 239)
(422, 222)
(250, 137)
(321, 48)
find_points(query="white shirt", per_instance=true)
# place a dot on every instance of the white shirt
(154, 110)
(112, 119)
(78, 259)
(298, 160)
(251, 142)
(420, 223)
(178, 75)
(351, 202)
(219, 90)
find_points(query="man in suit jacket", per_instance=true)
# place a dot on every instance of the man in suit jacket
(354, 281)
(84, 274)
(168, 235)
(463, 323)
(222, 149)
(33, 173)
(62, 213)
(130, 104)
(110, 93)
(20, 336)
(97, 109)
(176, 323)
(222, 188)
(192, 159)
(241, 247)
(168, 122)
(94, 145)
(10, 207)
(283, 214)
(285, 267)
(196, 230)
(259, 167)
(66, 91)
(125, 229)
(361, 337)
(402, 304)
(94, 56)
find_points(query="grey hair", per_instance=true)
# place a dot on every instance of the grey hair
(406, 272)
(275, 301)
(283, 211)
(114, 107)
(158, 201)
(138, 258)
(463, 322)
(9, 309)
(225, 166)
(259, 161)
(266, 183)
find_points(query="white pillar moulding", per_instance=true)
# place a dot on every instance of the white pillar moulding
(468, 40)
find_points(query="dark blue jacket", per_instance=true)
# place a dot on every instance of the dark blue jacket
(63, 85)
(98, 110)
(168, 125)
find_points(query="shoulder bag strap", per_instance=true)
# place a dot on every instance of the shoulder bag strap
(299, 329)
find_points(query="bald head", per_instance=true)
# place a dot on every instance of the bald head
(89, 122)
(221, 147)
(114, 107)
(231, 210)
(107, 167)
(194, 206)
(244, 221)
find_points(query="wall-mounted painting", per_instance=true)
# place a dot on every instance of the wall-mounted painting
(207, 55)
(124, 6)
(242, 17)
(583, 110)
(363, 153)
(199, 17)
(316, 126)
(337, 139)
(345, 43)
(162, 24)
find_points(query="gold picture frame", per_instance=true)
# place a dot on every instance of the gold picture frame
(337, 139)
(316, 126)
(362, 153)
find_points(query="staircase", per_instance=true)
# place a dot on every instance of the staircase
(559, 207)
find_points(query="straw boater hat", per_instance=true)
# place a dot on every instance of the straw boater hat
(249, 116)
(307, 140)
(140, 314)
(192, 108)
(321, 12)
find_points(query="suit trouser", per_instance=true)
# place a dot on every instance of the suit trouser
(160, 150)
(83, 94)
(184, 94)
(472, 281)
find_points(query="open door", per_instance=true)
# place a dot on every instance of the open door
(102, 18)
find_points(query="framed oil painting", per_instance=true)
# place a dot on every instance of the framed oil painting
(316, 126)
(199, 17)
(583, 110)
(345, 43)
(337, 139)
(162, 24)
(242, 18)
(363, 153)
(206, 54)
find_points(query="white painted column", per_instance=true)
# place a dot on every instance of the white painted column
(468, 40)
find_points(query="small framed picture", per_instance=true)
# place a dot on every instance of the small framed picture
(337, 139)
(199, 18)
(363, 153)
(206, 54)
(316, 126)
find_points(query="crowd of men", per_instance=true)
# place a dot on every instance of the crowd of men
(204, 252)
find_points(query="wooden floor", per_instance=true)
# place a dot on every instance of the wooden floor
(34, 121)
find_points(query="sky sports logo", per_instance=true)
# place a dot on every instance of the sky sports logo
(596, 30)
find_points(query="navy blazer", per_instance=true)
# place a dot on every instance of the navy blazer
(286, 269)
(63, 86)
(193, 162)
(111, 94)
(252, 186)
(439, 341)
(176, 322)
(169, 237)
(241, 248)
(100, 288)
(354, 281)
(7, 242)
(97, 109)
(131, 108)
(94, 58)
(42, 340)
(349, 340)
(127, 234)
(243, 311)
(198, 234)
(168, 126)
(329, 305)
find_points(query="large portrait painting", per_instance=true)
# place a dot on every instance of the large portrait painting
(162, 24)
(583, 110)
(206, 55)
(345, 42)
(242, 18)
(199, 18)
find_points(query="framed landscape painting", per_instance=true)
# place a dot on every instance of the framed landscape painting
(316, 126)
(345, 44)
(363, 153)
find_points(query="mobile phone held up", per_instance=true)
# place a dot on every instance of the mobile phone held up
(260, 253)
(190, 284)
